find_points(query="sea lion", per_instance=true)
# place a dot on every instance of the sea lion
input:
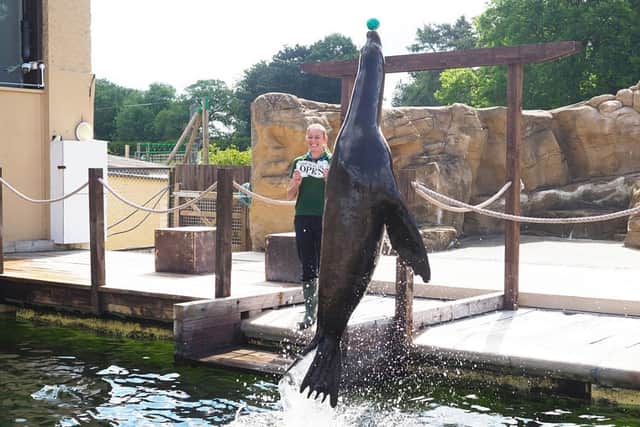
(361, 199)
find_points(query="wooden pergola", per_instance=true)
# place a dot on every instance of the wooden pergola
(514, 57)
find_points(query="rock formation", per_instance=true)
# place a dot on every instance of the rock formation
(578, 160)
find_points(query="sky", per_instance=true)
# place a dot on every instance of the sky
(138, 42)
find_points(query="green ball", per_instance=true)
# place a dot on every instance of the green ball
(373, 24)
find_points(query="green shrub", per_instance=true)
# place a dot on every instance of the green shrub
(230, 156)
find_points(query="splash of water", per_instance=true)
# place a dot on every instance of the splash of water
(297, 408)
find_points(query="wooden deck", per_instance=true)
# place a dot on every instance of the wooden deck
(595, 349)
(133, 288)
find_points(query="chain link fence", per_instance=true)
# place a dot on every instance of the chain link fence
(128, 228)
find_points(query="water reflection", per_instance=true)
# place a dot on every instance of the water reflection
(64, 377)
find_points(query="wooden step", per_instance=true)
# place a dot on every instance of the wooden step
(250, 359)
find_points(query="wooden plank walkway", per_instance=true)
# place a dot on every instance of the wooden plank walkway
(598, 276)
(133, 288)
(598, 349)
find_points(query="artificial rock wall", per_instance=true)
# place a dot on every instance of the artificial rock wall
(460, 151)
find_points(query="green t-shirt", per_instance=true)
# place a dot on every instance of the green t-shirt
(310, 199)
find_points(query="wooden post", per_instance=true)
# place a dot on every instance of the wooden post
(512, 203)
(192, 137)
(1, 230)
(170, 201)
(404, 273)
(182, 137)
(205, 131)
(96, 236)
(224, 207)
(345, 95)
(126, 151)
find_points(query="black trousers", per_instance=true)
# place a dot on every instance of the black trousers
(308, 238)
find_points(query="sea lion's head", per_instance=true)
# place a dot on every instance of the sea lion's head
(371, 70)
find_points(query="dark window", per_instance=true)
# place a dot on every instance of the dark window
(21, 43)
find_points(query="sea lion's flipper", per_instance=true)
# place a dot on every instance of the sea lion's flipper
(323, 375)
(405, 237)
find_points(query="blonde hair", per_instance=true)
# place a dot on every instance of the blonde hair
(319, 127)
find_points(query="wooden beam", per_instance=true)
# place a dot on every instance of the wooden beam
(96, 237)
(345, 95)
(182, 137)
(404, 273)
(512, 202)
(224, 215)
(192, 137)
(1, 230)
(519, 54)
(205, 133)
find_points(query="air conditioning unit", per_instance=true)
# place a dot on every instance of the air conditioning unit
(70, 163)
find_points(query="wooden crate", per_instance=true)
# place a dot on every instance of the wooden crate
(281, 258)
(188, 250)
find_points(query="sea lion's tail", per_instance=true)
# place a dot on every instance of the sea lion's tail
(323, 376)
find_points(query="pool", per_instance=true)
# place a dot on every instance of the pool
(55, 376)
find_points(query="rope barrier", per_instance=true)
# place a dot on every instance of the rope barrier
(430, 195)
(484, 204)
(210, 189)
(262, 198)
(29, 199)
(159, 195)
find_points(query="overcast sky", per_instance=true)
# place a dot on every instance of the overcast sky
(138, 42)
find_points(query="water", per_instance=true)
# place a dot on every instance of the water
(68, 377)
(51, 376)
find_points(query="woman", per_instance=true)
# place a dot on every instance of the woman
(308, 174)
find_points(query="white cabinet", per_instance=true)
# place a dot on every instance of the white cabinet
(70, 163)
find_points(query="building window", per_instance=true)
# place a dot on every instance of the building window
(21, 44)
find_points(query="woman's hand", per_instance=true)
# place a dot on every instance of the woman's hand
(297, 178)
(325, 172)
(294, 184)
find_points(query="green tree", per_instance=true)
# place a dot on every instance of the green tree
(158, 97)
(222, 105)
(134, 121)
(282, 74)
(607, 29)
(169, 123)
(422, 87)
(461, 85)
(108, 100)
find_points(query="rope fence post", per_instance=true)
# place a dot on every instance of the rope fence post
(1, 230)
(96, 237)
(512, 200)
(224, 208)
(404, 273)
(170, 201)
